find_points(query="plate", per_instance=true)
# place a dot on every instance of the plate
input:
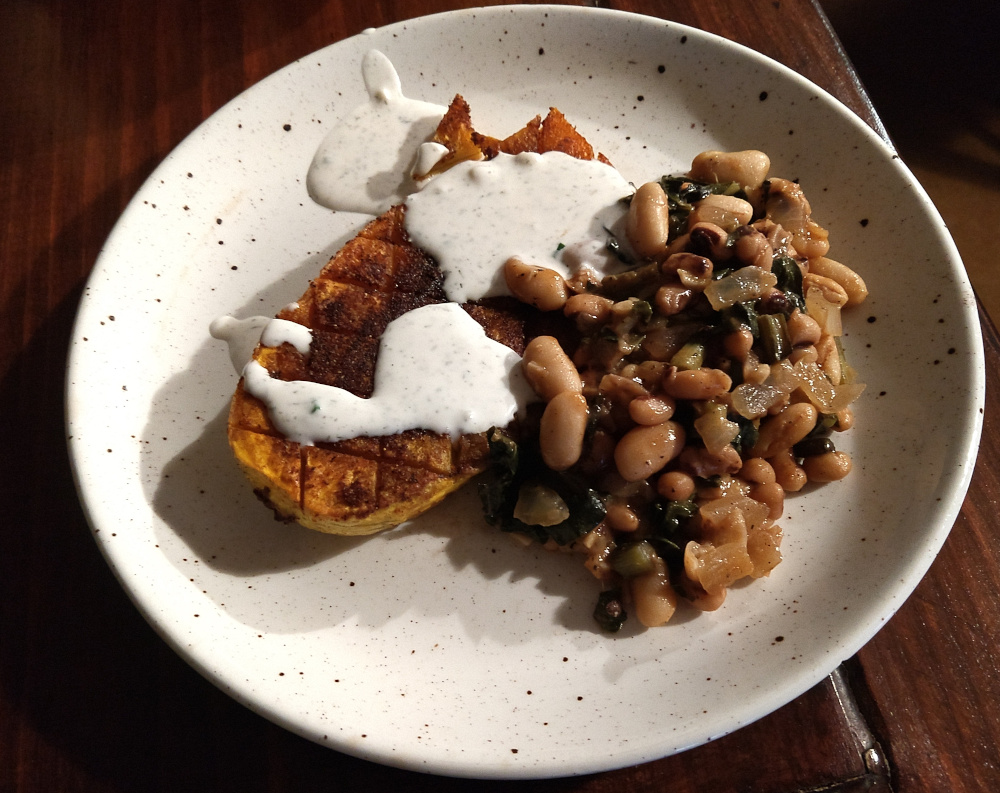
(441, 646)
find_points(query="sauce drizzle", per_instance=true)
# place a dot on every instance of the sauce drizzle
(436, 370)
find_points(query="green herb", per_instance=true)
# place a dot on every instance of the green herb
(669, 519)
(616, 248)
(683, 193)
(690, 356)
(813, 447)
(774, 342)
(789, 277)
(748, 434)
(634, 559)
(514, 464)
(643, 279)
(610, 610)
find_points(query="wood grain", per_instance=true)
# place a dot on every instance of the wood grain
(94, 94)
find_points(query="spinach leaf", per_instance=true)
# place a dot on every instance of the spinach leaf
(513, 465)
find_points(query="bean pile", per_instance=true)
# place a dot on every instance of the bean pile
(690, 393)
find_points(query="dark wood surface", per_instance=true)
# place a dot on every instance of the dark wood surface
(93, 94)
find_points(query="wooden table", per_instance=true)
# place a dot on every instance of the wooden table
(93, 94)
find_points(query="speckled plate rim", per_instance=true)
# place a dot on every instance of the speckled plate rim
(86, 376)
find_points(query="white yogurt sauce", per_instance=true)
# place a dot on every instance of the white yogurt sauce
(364, 163)
(477, 214)
(242, 336)
(436, 370)
(281, 331)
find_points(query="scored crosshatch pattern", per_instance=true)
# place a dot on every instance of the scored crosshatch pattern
(362, 485)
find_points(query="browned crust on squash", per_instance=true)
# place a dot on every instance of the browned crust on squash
(364, 485)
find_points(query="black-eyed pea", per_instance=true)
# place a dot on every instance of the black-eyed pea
(788, 473)
(803, 330)
(549, 369)
(852, 283)
(812, 241)
(710, 240)
(748, 168)
(620, 516)
(562, 429)
(738, 343)
(693, 271)
(772, 495)
(696, 384)
(648, 410)
(783, 431)
(653, 598)
(642, 451)
(830, 289)
(727, 212)
(829, 467)
(804, 355)
(757, 470)
(845, 419)
(541, 287)
(648, 223)
(675, 485)
(588, 310)
(752, 248)
(671, 299)
(622, 390)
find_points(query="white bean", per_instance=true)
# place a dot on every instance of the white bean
(561, 431)
(648, 222)
(541, 287)
(852, 283)
(548, 368)
(642, 451)
(749, 168)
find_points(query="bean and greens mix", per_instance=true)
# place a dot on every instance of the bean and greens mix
(690, 392)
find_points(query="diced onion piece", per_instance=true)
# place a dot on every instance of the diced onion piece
(827, 314)
(716, 568)
(747, 283)
(783, 376)
(763, 547)
(729, 519)
(846, 394)
(754, 512)
(538, 505)
(753, 401)
(817, 387)
(715, 429)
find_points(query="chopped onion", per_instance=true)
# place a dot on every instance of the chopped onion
(817, 387)
(827, 314)
(747, 283)
(715, 429)
(753, 401)
(538, 505)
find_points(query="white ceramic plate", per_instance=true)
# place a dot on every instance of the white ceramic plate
(440, 646)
